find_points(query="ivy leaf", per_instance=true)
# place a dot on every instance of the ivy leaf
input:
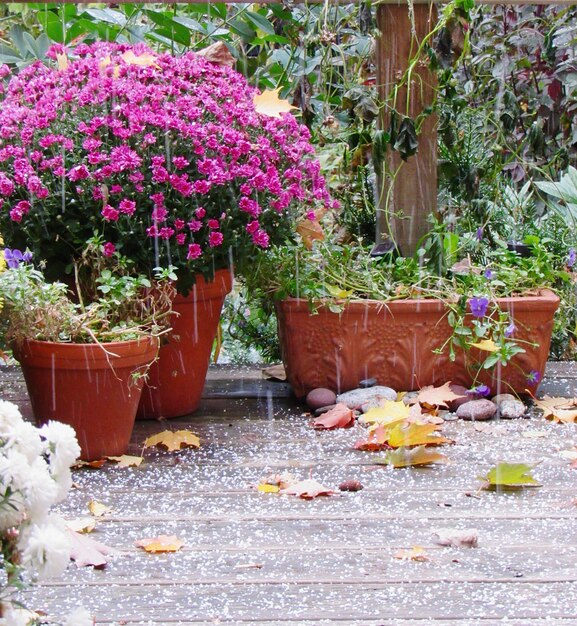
(268, 103)
(406, 142)
(510, 475)
(173, 441)
(409, 457)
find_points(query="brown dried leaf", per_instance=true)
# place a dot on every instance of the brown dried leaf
(160, 544)
(310, 230)
(126, 460)
(437, 396)
(173, 440)
(274, 372)
(376, 440)
(340, 416)
(308, 489)
(89, 464)
(560, 410)
(218, 53)
(268, 103)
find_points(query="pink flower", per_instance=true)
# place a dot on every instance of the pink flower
(260, 238)
(110, 214)
(127, 206)
(201, 186)
(181, 239)
(194, 251)
(6, 185)
(252, 227)
(215, 238)
(21, 209)
(108, 249)
(213, 224)
(200, 212)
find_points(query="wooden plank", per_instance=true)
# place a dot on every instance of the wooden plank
(408, 191)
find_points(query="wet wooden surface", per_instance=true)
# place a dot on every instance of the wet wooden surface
(256, 558)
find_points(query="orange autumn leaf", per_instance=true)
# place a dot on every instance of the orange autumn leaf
(268, 103)
(160, 544)
(340, 416)
(173, 440)
(310, 231)
(376, 439)
(218, 53)
(437, 396)
(308, 489)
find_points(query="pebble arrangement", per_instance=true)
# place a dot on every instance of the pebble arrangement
(469, 406)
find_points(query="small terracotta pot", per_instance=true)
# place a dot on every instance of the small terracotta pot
(95, 388)
(395, 342)
(176, 380)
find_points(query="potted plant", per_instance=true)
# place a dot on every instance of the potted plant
(170, 161)
(344, 316)
(84, 361)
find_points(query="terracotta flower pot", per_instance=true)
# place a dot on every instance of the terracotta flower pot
(93, 388)
(394, 343)
(176, 380)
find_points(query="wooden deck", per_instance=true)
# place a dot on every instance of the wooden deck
(258, 558)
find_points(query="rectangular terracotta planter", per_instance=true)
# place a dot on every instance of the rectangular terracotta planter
(395, 342)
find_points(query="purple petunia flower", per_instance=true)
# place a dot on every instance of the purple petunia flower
(533, 377)
(479, 233)
(510, 329)
(488, 274)
(571, 257)
(480, 390)
(478, 306)
(13, 257)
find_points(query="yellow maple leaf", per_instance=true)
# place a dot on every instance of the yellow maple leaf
(415, 434)
(389, 413)
(488, 345)
(98, 509)
(162, 543)
(264, 488)
(173, 441)
(268, 103)
(62, 61)
(143, 60)
(126, 460)
(416, 553)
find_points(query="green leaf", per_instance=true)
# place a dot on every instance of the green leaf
(509, 475)
(259, 22)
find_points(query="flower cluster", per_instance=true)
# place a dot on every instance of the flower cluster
(164, 156)
(34, 475)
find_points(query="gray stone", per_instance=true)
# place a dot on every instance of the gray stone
(477, 410)
(324, 409)
(356, 398)
(512, 409)
(410, 397)
(367, 383)
(320, 397)
(503, 397)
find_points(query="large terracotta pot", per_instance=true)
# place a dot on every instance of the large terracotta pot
(395, 343)
(95, 388)
(175, 382)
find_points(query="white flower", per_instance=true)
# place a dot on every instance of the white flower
(79, 617)
(45, 548)
(17, 616)
(62, 448)
(9, 416)
(25, 438)
(41, 490)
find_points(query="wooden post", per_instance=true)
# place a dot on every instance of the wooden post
(408, 191)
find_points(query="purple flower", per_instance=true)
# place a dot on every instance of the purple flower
(571, 257)
(533, 377)
(14, 257)
(510, 329)
(488, 274)
(479, 233)
(478, 306)
(480, 390)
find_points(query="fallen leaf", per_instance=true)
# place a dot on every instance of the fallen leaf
(310, 231)
(264, 488)
(409, 457)
(86, 551)
(249, 566)
(415, 434)
(308, 489)
(456, 537)
(98, 509)
(126, 460)
(83, 525)
(62, 61)
(510, 475)
(561, 410)
(173, 440)
(89, 464)
(142, 60)
(282, 480)
(340, 416)
(268, 103)
(437, 396)
(218, 53)
(534, 434)
(376, 440)
(416, 553)
(274, 372)
(487, 345)
(388, 413)
(160, 544)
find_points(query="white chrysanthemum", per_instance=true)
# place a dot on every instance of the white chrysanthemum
(9, 416)
(41, 491)
(45, 548)
(62, 448)
(17, 616)
(79, 617)
(25, 438)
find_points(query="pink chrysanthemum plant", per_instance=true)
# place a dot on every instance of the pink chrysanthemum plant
(164, 158)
